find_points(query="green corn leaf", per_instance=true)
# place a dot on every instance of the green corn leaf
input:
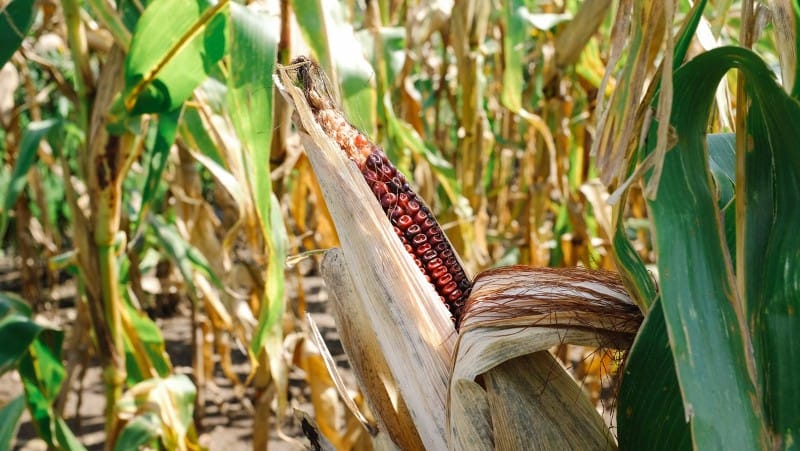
(253, 43)
(185, 256)
(250, 95)
(269, 318)
(42, 375)
(36, 353)
(161, 408)
(705, 318)
(630, 265)
(17, 332)
(722, 163)
(65, 438)
(338, 51)
(9, 421)
(687, 33)
(28, 151)
(313, 23)
(143, 430)
(12, 304)
(514, 37)
(175, 45)
(650, 411)
(771, 244)
(145, 345)
(157, 157)
(16, 18)
(150, 335)
(196, 136)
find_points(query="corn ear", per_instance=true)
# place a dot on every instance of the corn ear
(396, 306)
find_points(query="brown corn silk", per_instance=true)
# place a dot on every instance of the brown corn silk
(413, 221)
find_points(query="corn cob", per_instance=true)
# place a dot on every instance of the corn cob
(413, 221)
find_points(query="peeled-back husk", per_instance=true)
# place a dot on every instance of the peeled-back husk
(507, 391)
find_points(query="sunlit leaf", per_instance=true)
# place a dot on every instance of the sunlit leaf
(335, 46)
(37, 352)
(514, 37)
(269, 318)
(175, 45)
(197, 136)
(166, 404)
(145, 351)
(142, 430)
(42, 375)
(253, 43)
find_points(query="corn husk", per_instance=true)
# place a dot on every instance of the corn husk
(393, 306)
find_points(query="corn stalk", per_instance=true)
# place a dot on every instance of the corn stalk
(104, 166)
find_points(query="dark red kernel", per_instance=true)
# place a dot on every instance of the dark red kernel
(436, 262)
(430, 255)
(449, 289)
(379, 189)
(388, 200)
(438, 272)
(404, 221)
(445, 279)
(422, 249)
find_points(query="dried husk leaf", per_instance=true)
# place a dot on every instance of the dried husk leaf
(324, 396)
(505, 383)
(397, 308)
(366, 355)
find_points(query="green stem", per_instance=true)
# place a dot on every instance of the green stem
(114, 374)
(76, 39)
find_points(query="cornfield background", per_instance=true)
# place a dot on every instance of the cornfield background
(156, 197)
